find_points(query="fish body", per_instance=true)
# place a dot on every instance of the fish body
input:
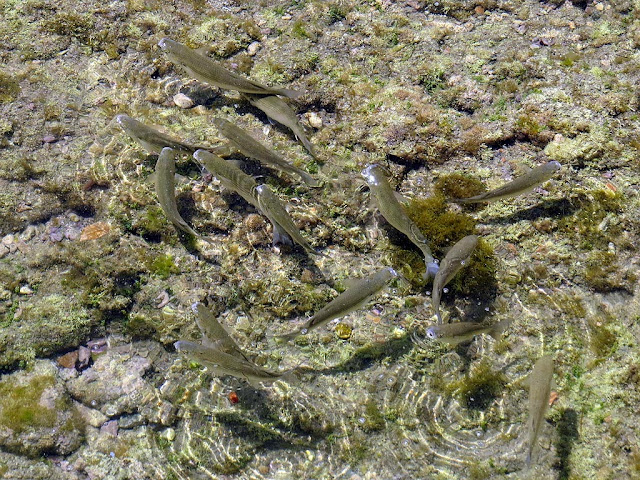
(517, 186)
(540, 381)
(459, 332)
(229, 175)
(277, 109)
(396, 215)
(454, 260)
(235, 179)
(250, 147)
(214, 335)
(151, 139)
(165, 190)
(222, 363)
(348, 301)
(272, 208)
(209, 71)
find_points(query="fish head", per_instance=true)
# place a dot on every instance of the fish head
(432, 333)
(372, 174)
(554, 166)
(166, 43)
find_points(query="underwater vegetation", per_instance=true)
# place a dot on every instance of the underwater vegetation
(453, 101)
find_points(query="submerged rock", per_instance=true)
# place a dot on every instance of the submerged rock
(37, 415)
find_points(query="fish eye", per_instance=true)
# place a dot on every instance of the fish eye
(431, 333)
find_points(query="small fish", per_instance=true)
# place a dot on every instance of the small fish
(165, 190)
(396, 215)
(208, 71)
(235, 179)
(271, 208)
(256, 150)
(522, 184)
(222, 363)
(539, 381)
(214, 335)
(229, 175)
(454, 260)
(348, 301)
(152, 140)
(276, 109)
(459, 332)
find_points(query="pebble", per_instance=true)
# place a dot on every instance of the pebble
(25, 290)
(253, 48)
(8, 239)
(68, 360)
(314, 119)
(84, 355)
(3, 250)
(110, 428)
(28, 233)
(49, 138)
(182, 101)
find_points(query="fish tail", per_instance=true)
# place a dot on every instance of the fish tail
(286, 92)
(309, 180)
(499, 328)
(287, 337)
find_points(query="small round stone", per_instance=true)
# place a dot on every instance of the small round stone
(343, 331)
(182, 101)
(314, 120)
(253, 48)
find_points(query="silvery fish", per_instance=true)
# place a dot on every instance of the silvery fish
(221, 363)
(348, 301)
(235, 179)
(153, 141)
(454, 260)
(214, 335)
(208, 71)
(165, 190)
(277, 109)
(540, 381)
(253, 149)
(396, 215)
(272, 208)
(459, 332)
(229, 175)
(522, 184)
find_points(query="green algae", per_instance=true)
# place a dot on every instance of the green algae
(9, 88)
(163, 266)
(480, 387)
(458, 185)
(20, 408)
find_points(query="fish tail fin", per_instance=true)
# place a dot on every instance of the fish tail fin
(280, 237)
(287, 92)
(431, 268)
(309, 180)
(498, 329)
(287, 337)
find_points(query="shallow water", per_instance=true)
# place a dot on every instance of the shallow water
(96, 285)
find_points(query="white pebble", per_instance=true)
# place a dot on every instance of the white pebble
(182, 101)
(314, 119)
(253, 48)
(8, 239)
(26, 290)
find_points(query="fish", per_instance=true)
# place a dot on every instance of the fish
(272, 208)
(459, 332)
(206, 70)
(453, 261)
(153, 141)
(214, 335)
(522, 184)
(165, 190)
(276, 109)
(235, 179)
(250, 147)
(348, 301)
(222, 363)
(395, 214)
(539, 381)
(229, 175)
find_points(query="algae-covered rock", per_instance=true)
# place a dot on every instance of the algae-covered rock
(37, 415)
(46, 324)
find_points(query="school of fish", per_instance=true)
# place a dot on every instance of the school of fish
(217, 349)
